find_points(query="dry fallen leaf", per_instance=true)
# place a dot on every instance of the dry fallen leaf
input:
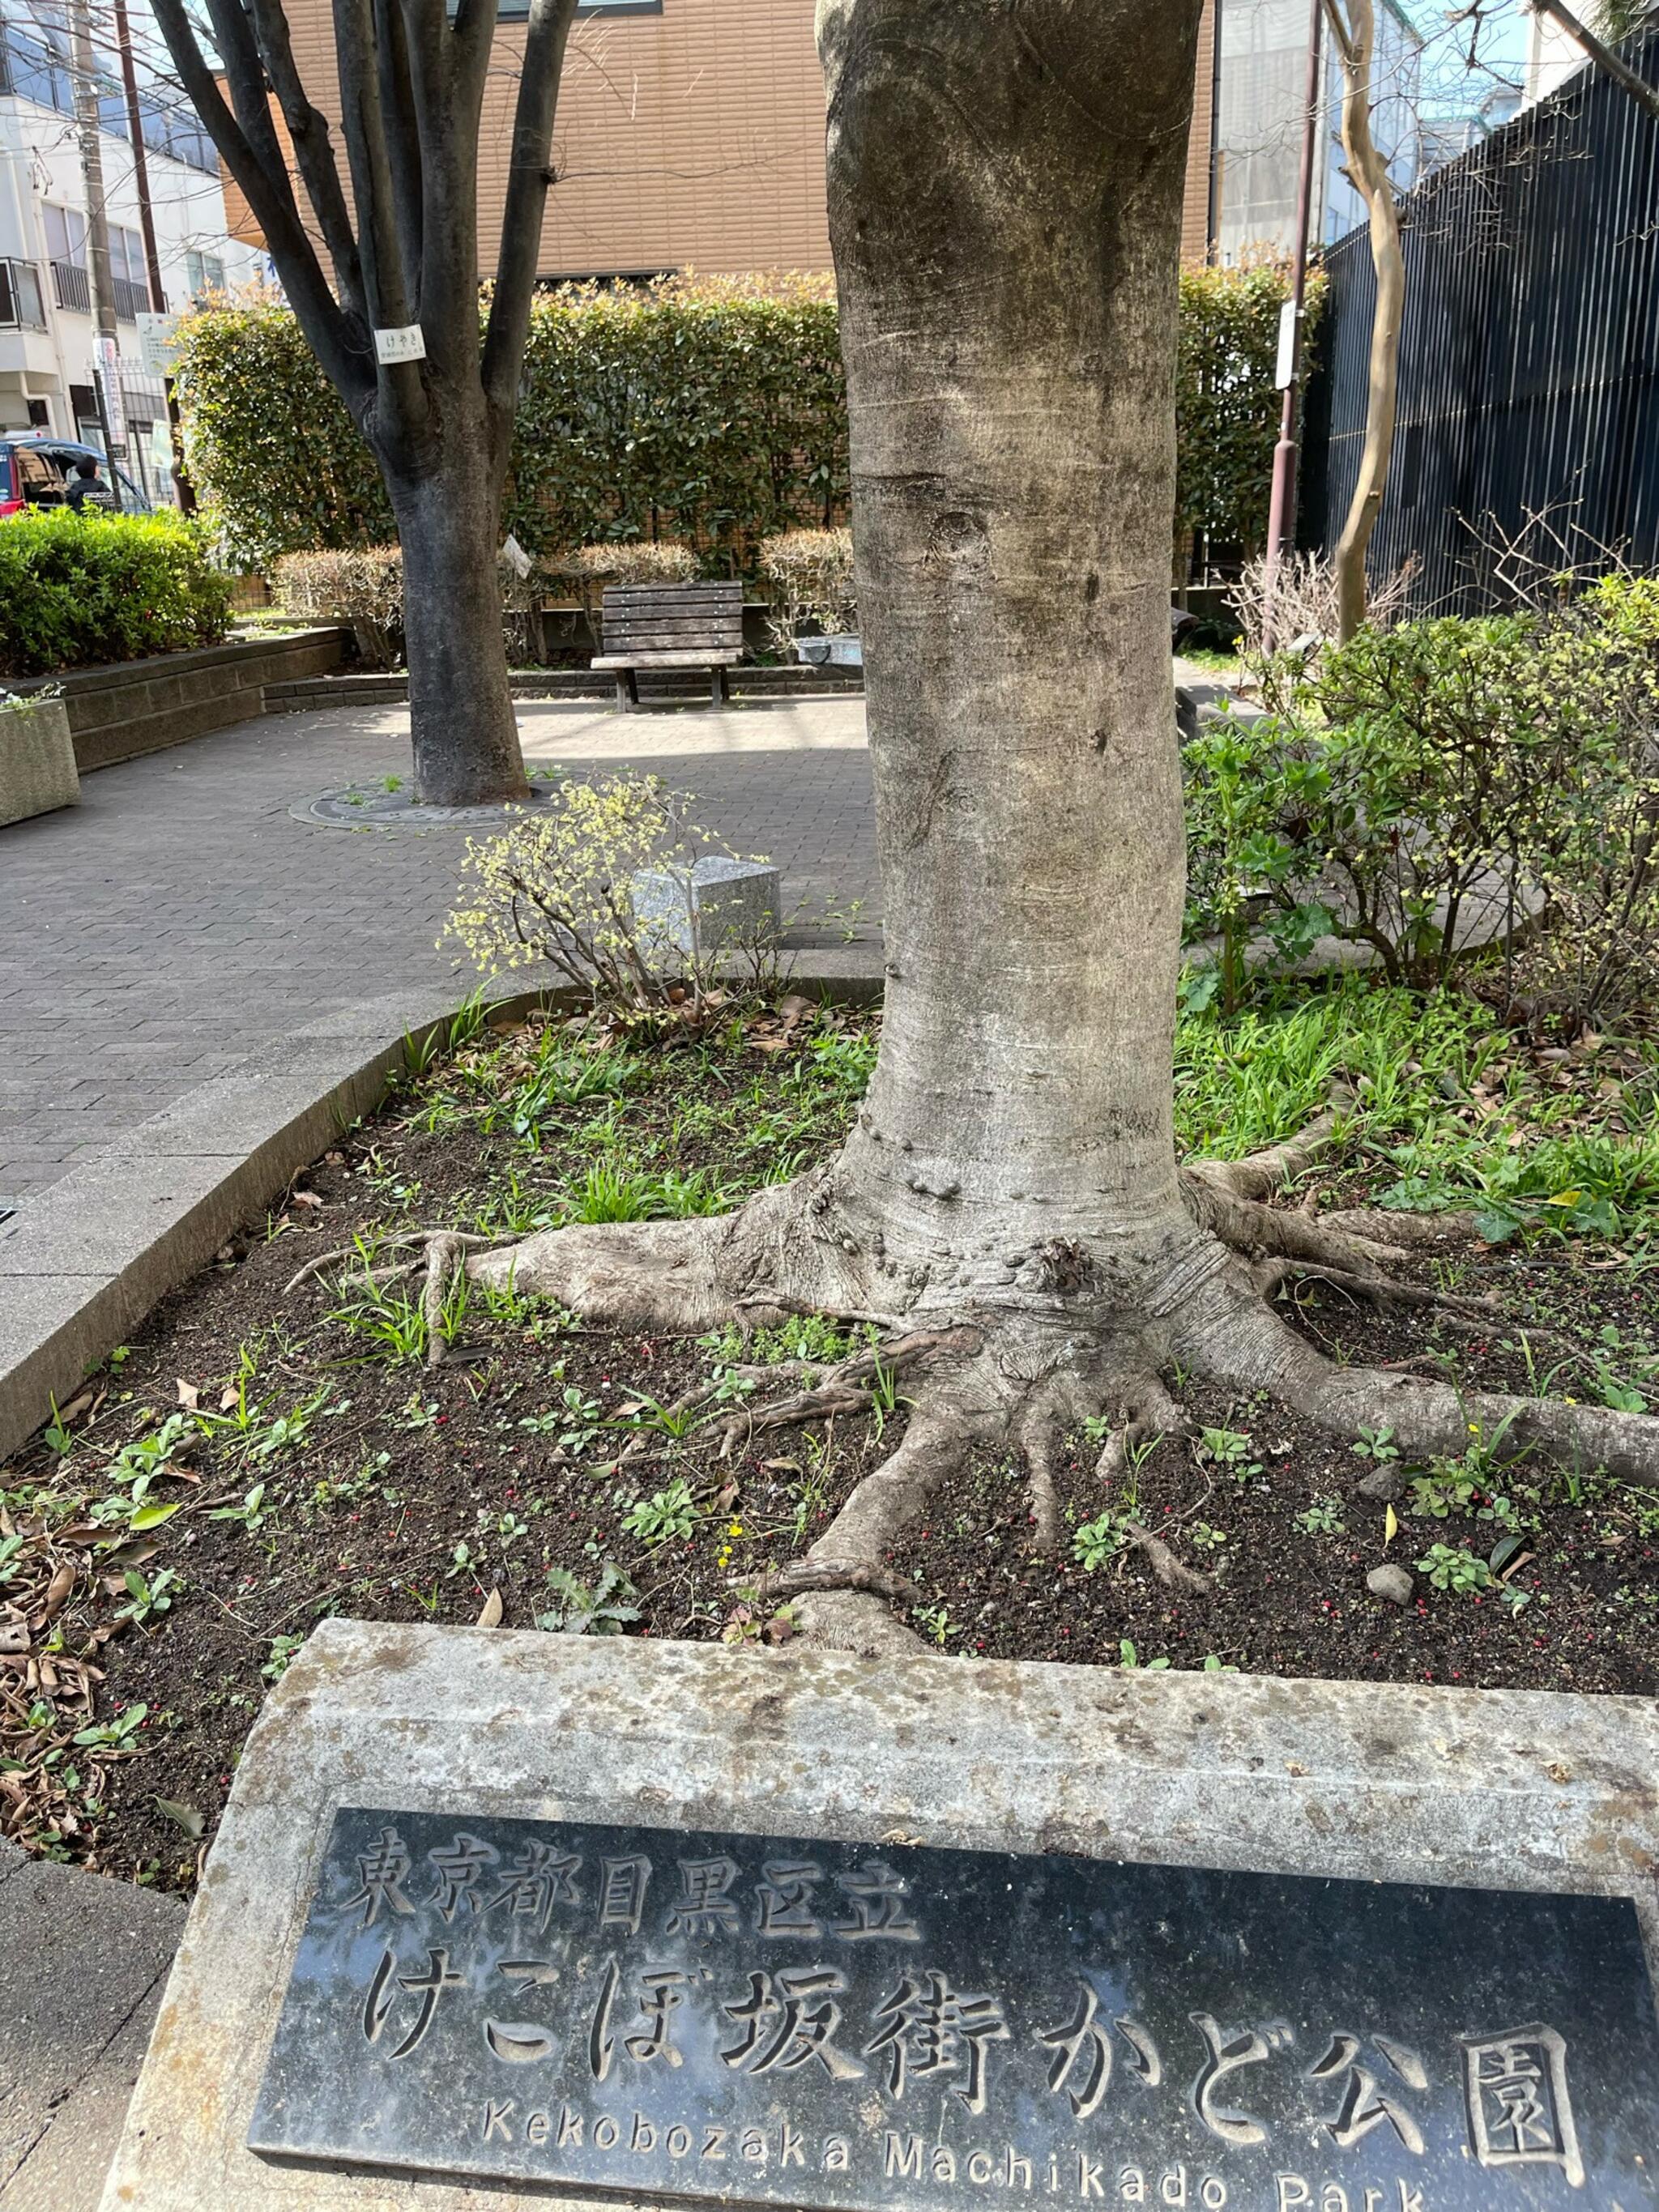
(14, 1636)
(227, 1397)
(189, 1396)
(1391, 1526)
(308, 1198)
(58, 1587)
(134, 1554)
(184, 1816)
(491, 1615)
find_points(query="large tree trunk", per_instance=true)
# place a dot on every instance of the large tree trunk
(462, 725)
(1004, 183)
(1354, 23)
(1005, 200)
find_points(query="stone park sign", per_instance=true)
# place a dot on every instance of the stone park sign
(789, 2021)
(426, 1967)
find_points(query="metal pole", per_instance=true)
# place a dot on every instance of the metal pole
(1217, 157)
(87, 123)
(1281, 514)
(158, 298)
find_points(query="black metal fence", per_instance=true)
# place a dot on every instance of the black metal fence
(1530, 358)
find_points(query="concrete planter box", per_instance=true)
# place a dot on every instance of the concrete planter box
(138, 707)
(830, 652)
(37, 760)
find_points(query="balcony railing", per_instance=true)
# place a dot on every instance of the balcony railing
(72, 285)
(130, 299)
(22, 306)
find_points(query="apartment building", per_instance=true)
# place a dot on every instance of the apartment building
(47, 338)
(691, 133)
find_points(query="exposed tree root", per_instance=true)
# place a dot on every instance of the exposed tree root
(1172, 1572)
(829, 1574)
(1269, 1275)
(1014, 1350)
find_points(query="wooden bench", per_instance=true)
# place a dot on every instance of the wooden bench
(669, 626)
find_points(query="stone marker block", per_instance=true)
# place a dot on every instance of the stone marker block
(725, 903)
(809, 1820)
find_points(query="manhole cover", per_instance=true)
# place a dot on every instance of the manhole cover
(373, 806)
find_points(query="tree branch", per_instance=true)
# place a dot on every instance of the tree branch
(528, 178)
(404, 148)
(1602, 55)
(248, 143)
(313, 152)
(402, 387)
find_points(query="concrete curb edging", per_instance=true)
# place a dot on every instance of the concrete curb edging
(85, 1260)
(1359, 1781)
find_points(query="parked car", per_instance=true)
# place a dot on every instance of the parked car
(35, 467)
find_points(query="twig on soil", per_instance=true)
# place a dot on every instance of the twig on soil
(826, 1574)
(1172, 1572)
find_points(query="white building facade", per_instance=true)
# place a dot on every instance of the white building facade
(47, 334)
(1263, 86)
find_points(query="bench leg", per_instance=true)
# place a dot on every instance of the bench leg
(628, 691)
(718, 689)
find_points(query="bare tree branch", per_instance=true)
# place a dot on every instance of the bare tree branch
(312, 150)
(1601, 54)
(403, 150)
(527, 183)
(247, 143)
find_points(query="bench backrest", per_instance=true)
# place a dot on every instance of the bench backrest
(648, 619)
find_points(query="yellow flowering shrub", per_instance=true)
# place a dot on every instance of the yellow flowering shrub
(559, 886)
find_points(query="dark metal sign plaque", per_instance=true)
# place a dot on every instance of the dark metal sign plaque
(767, 2019)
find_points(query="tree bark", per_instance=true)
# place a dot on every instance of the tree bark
(1356, 42)
(462, 725)
(1008, 322)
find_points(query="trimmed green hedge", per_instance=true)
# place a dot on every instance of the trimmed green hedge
(1227, 411)
(80, 590)
(709, 410)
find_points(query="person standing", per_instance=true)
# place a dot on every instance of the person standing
(87, 488)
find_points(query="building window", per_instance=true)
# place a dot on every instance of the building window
(203, 272)
(66, 235)
(20, 304)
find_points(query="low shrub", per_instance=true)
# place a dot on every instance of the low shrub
(559, 886)
(364, 588)
(1442, 783)
(590, 570)
(808, 577)
(77, 590)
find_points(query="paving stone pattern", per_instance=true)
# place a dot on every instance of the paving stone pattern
(84, 1962)
(180, 919)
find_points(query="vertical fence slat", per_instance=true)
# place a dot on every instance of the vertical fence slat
(1529, 357)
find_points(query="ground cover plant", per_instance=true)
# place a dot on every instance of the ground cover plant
(276, 1446)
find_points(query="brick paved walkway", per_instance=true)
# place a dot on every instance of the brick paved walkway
(180, 919)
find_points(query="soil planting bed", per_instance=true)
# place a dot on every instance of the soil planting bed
(262, 1456)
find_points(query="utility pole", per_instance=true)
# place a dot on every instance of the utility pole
(105, 379)
(1281, 516)
(158, 298)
